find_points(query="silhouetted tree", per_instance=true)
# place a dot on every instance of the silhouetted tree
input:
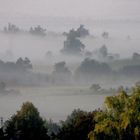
(73, 45)
(11, 28)
(61, 73)
(38, 31)
(95, 87)
(24, 64)
(82, 32)
(26, 124)
(90, 68)
(77, 126)
(60, 67)
(53, 129)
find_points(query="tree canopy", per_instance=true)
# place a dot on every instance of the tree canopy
(120, 120)
(73, 45)
(77, 126)
(61, 73)
(26, 124)
(92, 68)
(38, 30)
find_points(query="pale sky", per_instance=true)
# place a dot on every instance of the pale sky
(72, 8)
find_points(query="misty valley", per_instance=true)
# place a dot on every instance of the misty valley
(70, 83)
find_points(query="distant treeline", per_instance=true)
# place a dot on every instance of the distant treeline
(119, 120)
(40, 31)
(89, 71)
(13, 29)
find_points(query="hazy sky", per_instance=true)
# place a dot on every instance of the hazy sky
(72, 8)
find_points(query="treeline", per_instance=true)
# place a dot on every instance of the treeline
(119, 120)
(13, 29)
(40, 31)
(21, 73)
(89, 71)
(20, 65)
(12, 73)
(92, 71)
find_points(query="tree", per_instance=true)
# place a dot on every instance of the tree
(53, 129)
(60, 67)
(38, 30)
(90, 68)
(61, 73)
(26, 124)
(11, 28)
(95, 87)
(2, 134)
(77, 126)
(120, 120)
(24, 64)
(73, 45)
(82, 32)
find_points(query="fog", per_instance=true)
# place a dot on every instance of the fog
(53, 103)
(52, 99)
(67, 54)
(23, 44)
(72, 8)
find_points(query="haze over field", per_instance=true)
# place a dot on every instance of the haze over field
(48, 57)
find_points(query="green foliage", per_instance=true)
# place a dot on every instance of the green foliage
(26, 124)
(77, 126)
(120, 120)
